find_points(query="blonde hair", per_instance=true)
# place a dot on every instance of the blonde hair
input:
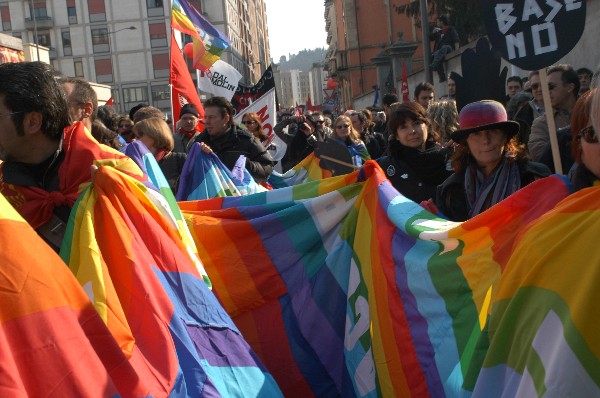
(353, 136)
(157, 129)
(444, 118)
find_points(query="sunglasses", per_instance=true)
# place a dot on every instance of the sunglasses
(342, 126)
(320, 121)
(249, 122)
(589, 135)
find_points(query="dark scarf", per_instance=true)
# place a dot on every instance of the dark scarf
(428, 164)
(482, 193)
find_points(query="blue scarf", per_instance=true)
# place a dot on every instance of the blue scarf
(482, 193)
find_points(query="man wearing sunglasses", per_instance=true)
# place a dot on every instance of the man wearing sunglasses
(563, 84)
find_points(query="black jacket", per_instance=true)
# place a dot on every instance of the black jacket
(451, 198)
(448, 38)
(236, 142)
(171, 166)
(416, 182)
(299, 145)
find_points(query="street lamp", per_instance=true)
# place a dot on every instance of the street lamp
(116, 69)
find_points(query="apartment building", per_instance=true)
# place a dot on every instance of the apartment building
(125, 43)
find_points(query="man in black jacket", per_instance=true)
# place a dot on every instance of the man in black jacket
(229, 142)
(446, 40)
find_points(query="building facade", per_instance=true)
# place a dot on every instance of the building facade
(125, 43)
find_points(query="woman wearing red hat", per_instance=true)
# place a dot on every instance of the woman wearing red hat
(488, 164)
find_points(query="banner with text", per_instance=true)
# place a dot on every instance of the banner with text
(221, 80)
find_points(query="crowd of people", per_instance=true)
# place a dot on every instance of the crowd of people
(455, 164)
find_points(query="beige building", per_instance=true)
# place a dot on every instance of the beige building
(293, 87)
(125, 43)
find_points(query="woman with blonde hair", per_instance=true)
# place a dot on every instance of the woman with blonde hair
(444, 119)
(345, 134)
(157, 136)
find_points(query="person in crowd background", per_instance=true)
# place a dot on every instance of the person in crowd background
(488, 164)
(253, 125)
(229, 142)
(374, 142)
(585, 79)
(187, 128)
(446, 40)
(424, 94)
(147, 112)
(346, 134)
(451, 90)
(81, 99)
(301, 143)
(105, 136)
(514, 85)
(444, 120)
(514, 107)
(125, 128)
(416, 163)
(155, 133)
(564, 88)
(583, 135)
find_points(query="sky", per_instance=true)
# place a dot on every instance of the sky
(294, 26)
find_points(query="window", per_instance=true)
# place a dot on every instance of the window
(78, 66)
(5, 15)
(71, 12)
(135, 94)
(39, 9)
(155, 8)
(160, 63)
(161, 93)
(43, 39)
(100, 40)
(103, 70)
(96, 10)
(65, 35)
(158, 34)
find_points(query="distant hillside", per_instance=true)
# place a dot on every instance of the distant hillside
(302, 61)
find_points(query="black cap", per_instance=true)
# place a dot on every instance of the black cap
(188, 108)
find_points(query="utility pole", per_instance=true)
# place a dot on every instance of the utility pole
(426, 46)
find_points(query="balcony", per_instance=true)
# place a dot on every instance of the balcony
(40, 23)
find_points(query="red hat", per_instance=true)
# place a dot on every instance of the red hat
(483, 115)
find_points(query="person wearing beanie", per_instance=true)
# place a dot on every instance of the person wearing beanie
(488, 163)
(186, 128)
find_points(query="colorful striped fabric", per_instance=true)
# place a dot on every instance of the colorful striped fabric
(307, 170)
(345, 288)
(204, 176)
(133, 265)
(209, 42)
(164, 199)
(52, 341)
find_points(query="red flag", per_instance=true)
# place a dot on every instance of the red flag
(183, 88)
(310, 107)
(110, 102)
(405, 96)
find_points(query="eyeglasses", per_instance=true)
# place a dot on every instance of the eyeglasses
(535, 86)
(342, 126)
(589, 135)
(320, 121)
(249, 122)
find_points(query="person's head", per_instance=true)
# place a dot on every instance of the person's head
(444, 118)
(188, 117)
(342, 128)
(590, 148)
(580, 119)
(155, 133)
(514, 84)
(442, 21)
(585, 79)
(125, 128)
(424, 94)
(147, 112)
(359, 121)
(104, 135)
(536, 87)
(252, 122)
(319, 120)
(516, 102)
(33, 112)
(108, 116)
(218, 115)
(136, 108)
(81, 99)
(564, 86)
(328, 114)
(409, 124)
(451, 87)
(387, 100)
(485, 135)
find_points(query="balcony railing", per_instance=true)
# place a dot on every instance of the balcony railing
(40, 23)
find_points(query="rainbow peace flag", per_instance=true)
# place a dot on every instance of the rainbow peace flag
(204, 176)
(209, 42)
(133, 265)
(307, 170)
(343, 287)
(52, 341)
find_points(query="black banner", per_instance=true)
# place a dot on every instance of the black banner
(245, 95)
(534, 34)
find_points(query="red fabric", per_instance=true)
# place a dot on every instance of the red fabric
(35, 204)
(184, 91)
(405, 97)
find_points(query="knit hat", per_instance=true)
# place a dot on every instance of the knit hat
(483, 115)
(188, 108)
